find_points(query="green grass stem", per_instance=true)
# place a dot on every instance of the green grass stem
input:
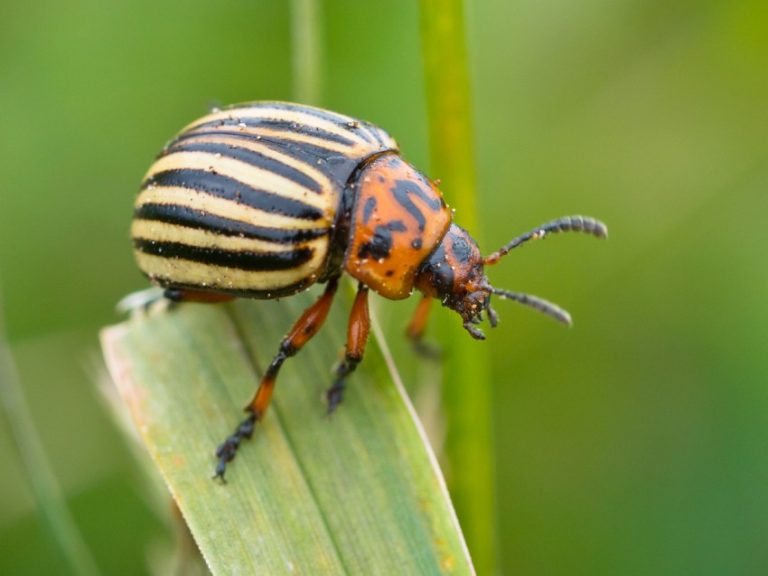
(306, 39)
(51, 505)
(466, 390)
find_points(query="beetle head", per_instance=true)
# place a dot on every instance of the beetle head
(455, 273)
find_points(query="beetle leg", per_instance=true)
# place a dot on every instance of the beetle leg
(303, 330)
(416, 328)
(357, 337)
(141, 301)
(418, 323)
(178, 295)
(144, 300)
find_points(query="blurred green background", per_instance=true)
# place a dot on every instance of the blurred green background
(636, 443)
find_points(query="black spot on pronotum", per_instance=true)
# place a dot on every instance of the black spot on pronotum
(404, 189)
(416, 244)
(370, 206)
(396, 226)
(379, 246)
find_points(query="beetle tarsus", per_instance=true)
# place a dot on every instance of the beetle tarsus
(173, 294)
(357, 336)
(334, 396)
(426, 349)
(476, 333)
(227, 450)
(173, 297)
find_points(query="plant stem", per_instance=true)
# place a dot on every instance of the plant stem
(54, 514)
(467, 394)
(307, 53)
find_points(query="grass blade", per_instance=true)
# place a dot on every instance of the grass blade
(357, 493)
(306, 51)
(466, 389)
(51, 504)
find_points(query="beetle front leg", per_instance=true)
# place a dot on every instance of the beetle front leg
(417, 327)
(357, 337)
(303, 330)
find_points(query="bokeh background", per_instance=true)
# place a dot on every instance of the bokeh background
(636, 443)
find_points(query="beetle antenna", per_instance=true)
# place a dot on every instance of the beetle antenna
(548, 308)
(564, 224)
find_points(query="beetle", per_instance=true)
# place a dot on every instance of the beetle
(264, 199)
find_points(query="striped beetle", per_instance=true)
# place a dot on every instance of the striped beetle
(262, 200)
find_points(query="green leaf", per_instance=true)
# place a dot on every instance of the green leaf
(355, 493)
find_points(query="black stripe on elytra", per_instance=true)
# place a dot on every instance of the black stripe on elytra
(321, 158)
(237, 259)
(337, 119)
(195, 133)
(376, 133)
(325, 160)
(401, 191)
(250, 157)
(200, 220)
(231, 189)
(360, 129)
(281, 125)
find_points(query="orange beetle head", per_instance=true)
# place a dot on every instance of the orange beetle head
(455, 273)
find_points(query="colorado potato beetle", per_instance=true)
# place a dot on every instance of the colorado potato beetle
(264, 199)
